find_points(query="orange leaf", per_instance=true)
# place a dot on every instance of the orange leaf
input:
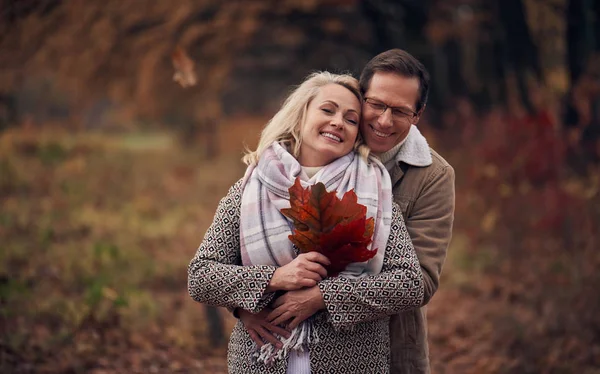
(347, 243)
(184, 68)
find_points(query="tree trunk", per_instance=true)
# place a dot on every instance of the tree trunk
(580, 36)
(523, 50)
(596, 17)
(455, 79)
(215, 326)
(523, 56)
(8, 111)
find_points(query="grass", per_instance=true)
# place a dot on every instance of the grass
(97, 234)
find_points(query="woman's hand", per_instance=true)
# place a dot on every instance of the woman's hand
(304, 271)
(296, 306)
(259, 329)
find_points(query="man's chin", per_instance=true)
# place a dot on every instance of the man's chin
(378, 146)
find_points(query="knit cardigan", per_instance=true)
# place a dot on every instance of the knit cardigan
(353, 330)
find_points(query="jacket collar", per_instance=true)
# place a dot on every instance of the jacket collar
(415, 151)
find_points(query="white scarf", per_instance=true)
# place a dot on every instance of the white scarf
(264, 230)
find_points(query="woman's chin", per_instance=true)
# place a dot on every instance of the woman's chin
(324, 156)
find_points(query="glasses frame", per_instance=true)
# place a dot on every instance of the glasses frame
(413, 115)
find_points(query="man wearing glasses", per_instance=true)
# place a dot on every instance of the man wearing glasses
(395, 86)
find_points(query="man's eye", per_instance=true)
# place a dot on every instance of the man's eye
(400, 113)
(377, 106)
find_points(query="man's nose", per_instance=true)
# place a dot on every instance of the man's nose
(385, 118)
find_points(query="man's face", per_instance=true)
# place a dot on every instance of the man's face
(383, 131)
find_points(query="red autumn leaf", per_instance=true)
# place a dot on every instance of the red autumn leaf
(347, 243)
(324, 223)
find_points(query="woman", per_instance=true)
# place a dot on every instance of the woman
(337, 324)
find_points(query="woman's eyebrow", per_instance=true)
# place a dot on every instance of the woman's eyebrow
(337, 106)
(331, 102)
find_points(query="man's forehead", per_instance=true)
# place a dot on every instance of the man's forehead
(392, 78)
(394, 89)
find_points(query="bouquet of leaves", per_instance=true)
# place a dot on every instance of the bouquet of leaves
(336, 228)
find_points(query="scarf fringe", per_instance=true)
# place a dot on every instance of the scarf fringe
(299, 340)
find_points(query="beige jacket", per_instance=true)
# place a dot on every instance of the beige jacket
(423, 187)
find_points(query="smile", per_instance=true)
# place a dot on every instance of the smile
(332, 136)
(379, 133)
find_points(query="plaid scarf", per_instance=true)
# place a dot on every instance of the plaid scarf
(264, 230)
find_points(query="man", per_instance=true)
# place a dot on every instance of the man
(395, 87)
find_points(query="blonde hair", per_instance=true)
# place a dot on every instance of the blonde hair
(286, 125)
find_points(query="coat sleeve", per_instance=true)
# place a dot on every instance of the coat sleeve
(398, 287)
(429, 225)
(216, 275)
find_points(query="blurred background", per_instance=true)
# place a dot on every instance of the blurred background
(110, 171)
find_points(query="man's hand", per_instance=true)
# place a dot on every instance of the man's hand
(304, 271)
(296, 306)
(259, 329)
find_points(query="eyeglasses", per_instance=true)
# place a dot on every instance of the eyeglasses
(398, 114)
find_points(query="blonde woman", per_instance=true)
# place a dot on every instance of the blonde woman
(247, 263)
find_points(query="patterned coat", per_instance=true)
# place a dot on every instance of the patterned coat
(353, 331)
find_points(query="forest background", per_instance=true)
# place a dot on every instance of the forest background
(110, 172)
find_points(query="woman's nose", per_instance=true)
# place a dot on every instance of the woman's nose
(337, 121)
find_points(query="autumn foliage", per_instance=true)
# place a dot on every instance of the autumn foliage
(525, 240)
(336, 228)
(97, 227)
(184, 68)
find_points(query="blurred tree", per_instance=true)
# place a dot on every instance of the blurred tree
(12, 11)
(214, 321)
(582, 114)
(521, 53)
(248, 53)
(397, 24)
(292, 39)
(582, 34)
(8, 110)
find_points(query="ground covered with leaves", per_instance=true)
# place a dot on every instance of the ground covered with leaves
(97, 231)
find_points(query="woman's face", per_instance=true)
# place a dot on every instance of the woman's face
(330, 127)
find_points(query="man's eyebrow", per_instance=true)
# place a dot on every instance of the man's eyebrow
(402, 107)
(395, 107)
